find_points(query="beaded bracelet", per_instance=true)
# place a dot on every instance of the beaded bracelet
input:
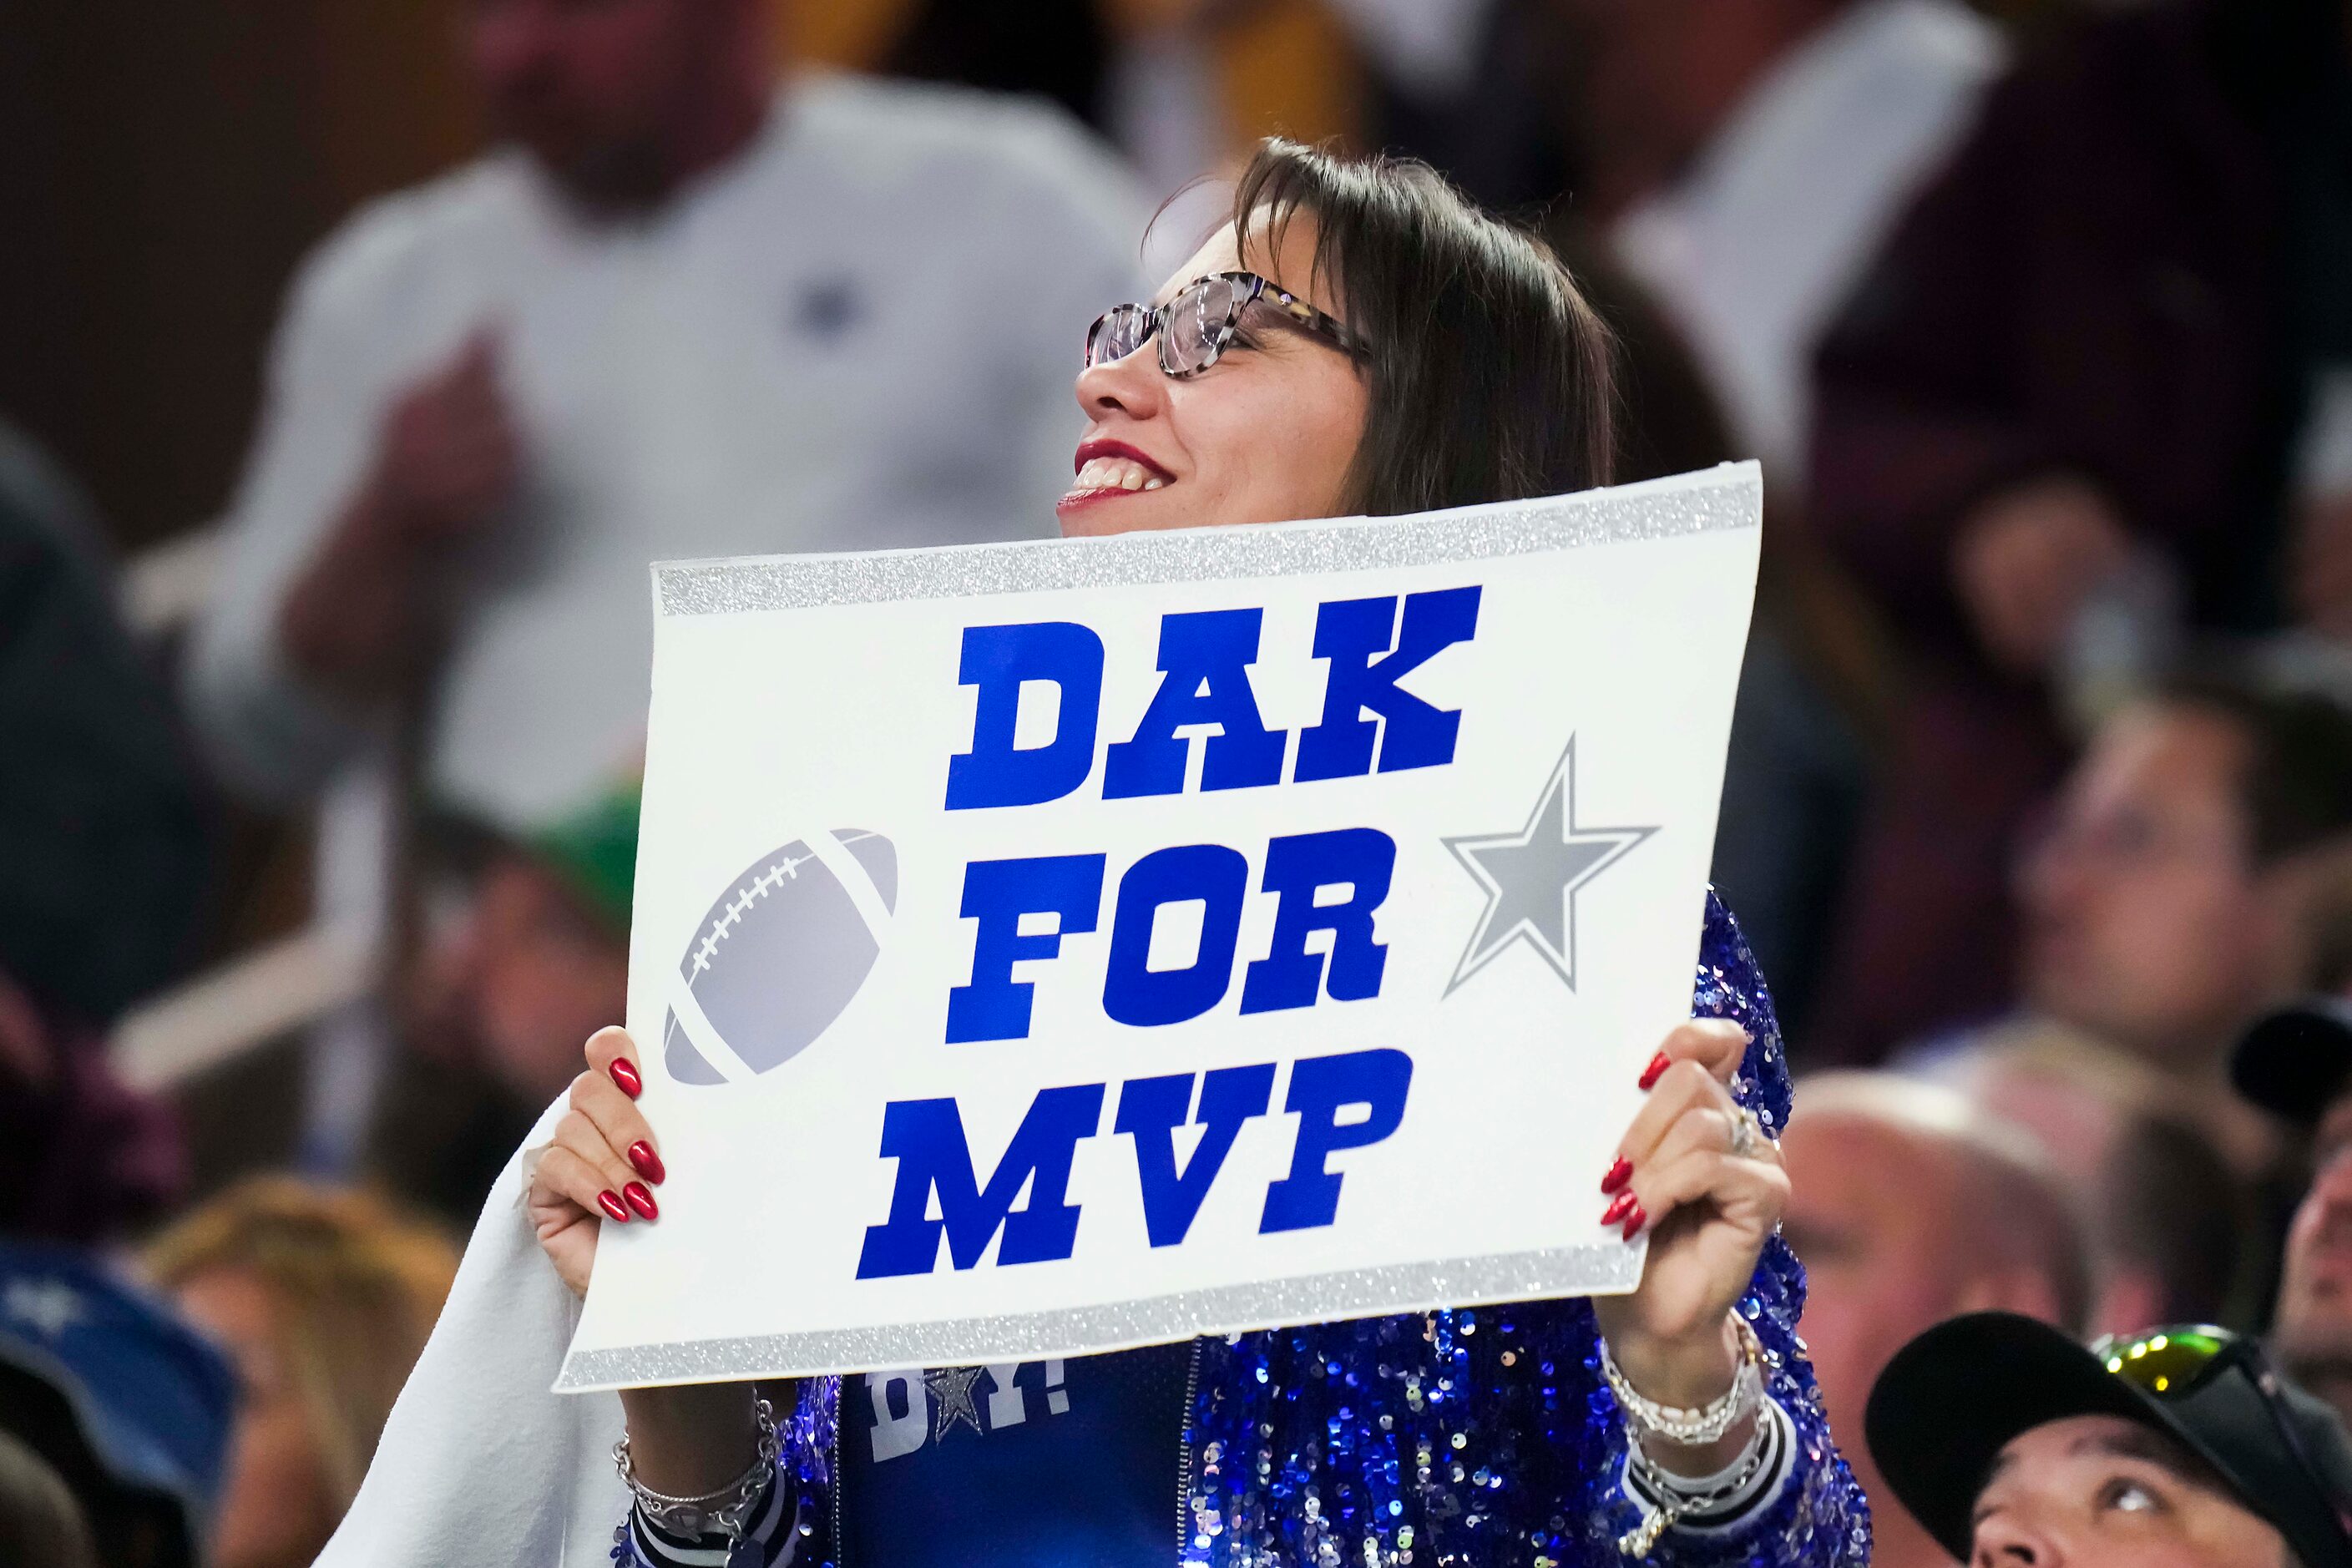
(1708, 1424)
(727, 1511)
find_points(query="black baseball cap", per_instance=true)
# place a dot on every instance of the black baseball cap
(2295, 1061)
(1955, 1396)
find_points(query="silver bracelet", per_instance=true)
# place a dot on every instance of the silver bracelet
(727, 1511)
(1678, 1499)
(1710, 1423)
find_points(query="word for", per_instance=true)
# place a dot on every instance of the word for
(1004, 895)
(939, 1193)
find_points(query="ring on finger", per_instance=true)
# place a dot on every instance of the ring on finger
(1747, 1135)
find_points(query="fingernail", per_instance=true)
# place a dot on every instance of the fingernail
(649, 1163)
(624, 1072)
(642, 1201)
(612, 1204)
(1618, 1208)
(1619, 1175)
(1634, 1222)
(1650, 1075)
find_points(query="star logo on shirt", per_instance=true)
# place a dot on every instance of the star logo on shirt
(48, 1305)
(1532, 877)
(952, 1401)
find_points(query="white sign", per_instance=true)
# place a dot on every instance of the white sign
(1051, 947)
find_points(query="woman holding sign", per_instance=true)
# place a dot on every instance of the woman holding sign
(1358, 340)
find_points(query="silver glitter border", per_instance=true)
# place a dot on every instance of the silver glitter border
(1727, 497)
(1603, 1268)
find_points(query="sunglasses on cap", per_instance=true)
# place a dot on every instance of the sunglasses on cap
(2180, 1360)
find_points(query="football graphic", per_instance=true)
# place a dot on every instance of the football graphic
(780, 956)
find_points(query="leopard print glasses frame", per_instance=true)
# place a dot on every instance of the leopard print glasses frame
(1196, 326)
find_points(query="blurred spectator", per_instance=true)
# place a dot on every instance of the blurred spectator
(2057, 414)
(1785, 815)
(2297, 1062)
(117, 1396)
(1748, 158)
(539, 960)
(2163, 1175)
(2167, 902)
(40, 1522)
(531, 959)
(324, 1299)
(2014, 1444)
(1909, 1204)
(105, 857)
(684, 314)
(2329, 926)
(2175, 1232)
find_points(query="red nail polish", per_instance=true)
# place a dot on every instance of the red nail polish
(1635, 1221)
(1619, 1175)
(642, 1201)
(1650, 1075)
(649, 1163)
(624, 1072)
(613, 1207)
(1618, 1208)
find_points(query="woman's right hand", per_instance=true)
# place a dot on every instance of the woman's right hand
(602, 1163)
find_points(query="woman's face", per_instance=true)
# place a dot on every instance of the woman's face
(1263, 435)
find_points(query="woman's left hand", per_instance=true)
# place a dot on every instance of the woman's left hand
(1707, 1210)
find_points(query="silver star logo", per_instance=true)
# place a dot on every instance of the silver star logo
(1531, 877)
(951, 1399)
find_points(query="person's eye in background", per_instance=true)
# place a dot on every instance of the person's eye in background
(2129, 1494)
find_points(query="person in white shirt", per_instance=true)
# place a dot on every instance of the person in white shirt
(682, 311)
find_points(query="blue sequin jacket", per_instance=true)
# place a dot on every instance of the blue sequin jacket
(1483, 1439)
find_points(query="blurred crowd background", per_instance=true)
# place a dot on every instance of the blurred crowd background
(356, 357)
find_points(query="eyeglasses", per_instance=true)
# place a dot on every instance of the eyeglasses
(2174, 1362)
(1198, 325)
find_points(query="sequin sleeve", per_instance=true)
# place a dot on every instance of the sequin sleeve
(1819, 1518)
(1486, 1437)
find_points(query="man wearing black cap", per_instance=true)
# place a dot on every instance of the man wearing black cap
(2297, 1062)
(2013, 1444)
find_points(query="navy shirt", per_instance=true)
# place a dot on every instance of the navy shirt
(1060, 1464)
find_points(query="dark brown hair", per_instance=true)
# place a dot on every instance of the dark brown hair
(1491, 378)
(2297, 783)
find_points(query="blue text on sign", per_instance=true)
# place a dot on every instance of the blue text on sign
(936, 1168)
(1204, 660)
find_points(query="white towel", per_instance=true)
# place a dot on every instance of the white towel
(480, 1462)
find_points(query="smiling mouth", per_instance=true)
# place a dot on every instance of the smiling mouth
(1114, 475)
